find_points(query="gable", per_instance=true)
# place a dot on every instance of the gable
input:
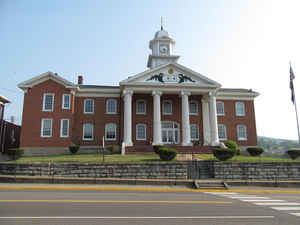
(170, 74)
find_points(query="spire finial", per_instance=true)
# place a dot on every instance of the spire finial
(161, 23)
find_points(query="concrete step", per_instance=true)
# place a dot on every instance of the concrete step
(210, 185)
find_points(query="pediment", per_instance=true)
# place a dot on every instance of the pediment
(170, 74)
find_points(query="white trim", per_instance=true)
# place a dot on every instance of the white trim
(63, 101)
(197, 106)
(197, 126)
(173, 130)
(237, 130)
(44, 97)
(236, 109)
(235, 98)
(111, 139)
(87, 139)
(61, 128)
(116, 106)
(42, 128)
(136, 109)
(136, 132)
(223, 106)
(222, 139)
(84, 106)
(163, 107)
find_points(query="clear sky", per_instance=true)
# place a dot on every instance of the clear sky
(240, 44)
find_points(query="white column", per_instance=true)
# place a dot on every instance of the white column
(206, 121)
(186, 129)
(127, 96)
(156, 118)
(213, 119)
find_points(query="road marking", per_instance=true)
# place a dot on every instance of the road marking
(249, 197)
(221, 193)
(118, 201)
(295, 214)
(286, 208)
(262, 200)
(276, 203)
(142, 217)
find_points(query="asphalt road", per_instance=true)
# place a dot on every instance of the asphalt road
(146, 207)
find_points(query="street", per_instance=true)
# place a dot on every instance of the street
(147, 207)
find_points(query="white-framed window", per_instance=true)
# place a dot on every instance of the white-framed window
(110, 132)
(89, 106)
(46, 128)
(66, 101)
(242, 132)
(140, 107)
(194, 132)
(240, 108)
(111, 106)
(193, 106)
(167, 107)
(222, 132)
(141, 132)
(64, 127)
(48, 102)
(220, 108)
(88, 131)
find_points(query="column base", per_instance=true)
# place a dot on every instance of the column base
(215, 144)
(157, 143)
(128, 144)
(187, 144)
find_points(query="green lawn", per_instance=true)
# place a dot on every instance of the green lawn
(92, 158)
(242, 158)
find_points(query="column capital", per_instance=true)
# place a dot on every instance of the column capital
(157, 93)
(212, 93)
(127, 92)
(205, 98)
(182, 93)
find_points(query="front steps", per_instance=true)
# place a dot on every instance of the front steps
(202, 184)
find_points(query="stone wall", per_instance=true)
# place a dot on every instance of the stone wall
(245, 171)
(138, 171)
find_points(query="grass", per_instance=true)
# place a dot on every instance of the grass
(243, 158)
(91, 158)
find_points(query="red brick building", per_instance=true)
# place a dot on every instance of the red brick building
(168, 104)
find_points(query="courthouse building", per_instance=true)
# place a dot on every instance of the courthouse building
(168, 104)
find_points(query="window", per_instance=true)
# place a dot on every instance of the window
(240, 108)
(48, 102)
(170, 132)
(220, 109)
(193, 108)
(110, 132)
(222, 132)
(111, 106)
(66, 101)
(64, 128)
(242, 132)
(141, 132)
(46, 130)
(88, 131)
(88, 106)
(140, 107)
(194, 132)
(167, 108)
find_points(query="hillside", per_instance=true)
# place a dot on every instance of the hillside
(275, 145)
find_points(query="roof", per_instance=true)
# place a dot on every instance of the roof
(98, 87)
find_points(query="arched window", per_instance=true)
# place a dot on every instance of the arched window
(111, 106)
(110, 132)
(141, 132)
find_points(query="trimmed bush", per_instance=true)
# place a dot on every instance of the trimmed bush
(156, 148)
(224, 154)
(74, 149)
(233, 145)
(293, 153)
(167, 154)
(15, 153)
(255, 151)
(114, 149)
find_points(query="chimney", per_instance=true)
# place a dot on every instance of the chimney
(80, 79)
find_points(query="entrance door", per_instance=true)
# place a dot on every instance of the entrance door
(170, 132)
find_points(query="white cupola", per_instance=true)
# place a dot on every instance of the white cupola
(162, 47)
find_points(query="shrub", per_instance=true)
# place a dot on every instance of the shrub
(114, 149)
(233, 145)
(167, 154)
(255, 151)
(156, 148)
(224, 154)
(294, 153)
(15, 153)
(74, 149)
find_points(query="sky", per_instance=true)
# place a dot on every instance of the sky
(240, 44)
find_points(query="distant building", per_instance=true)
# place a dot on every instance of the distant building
(168, 104)
(9, 132)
